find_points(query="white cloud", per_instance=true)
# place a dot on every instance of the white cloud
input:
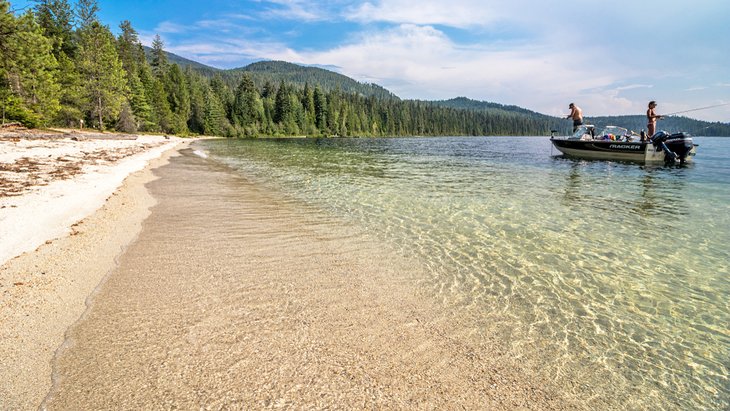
(633, 87)
(170, 27)
(459, 13)
(301, 10)
(231, 52)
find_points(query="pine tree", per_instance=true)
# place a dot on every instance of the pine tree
(333, 111)
(102, 74)
(294, 122)
(86, 13)
(56, 17)
(126, 123)
(159, 58)
(28, 89)
(178, 95)
(248, 109)
(282, 104)
(198, 87)
(309, 126)
(215, 122)
(320, 109)
(128, 46)
(132, 57)
(269, 90)
(9, 49)
(161, 119)
(219, 87)
(71, 95)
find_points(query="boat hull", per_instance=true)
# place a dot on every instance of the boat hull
(612, 150)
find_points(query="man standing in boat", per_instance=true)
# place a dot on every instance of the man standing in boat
(577, 115)
(651, 118)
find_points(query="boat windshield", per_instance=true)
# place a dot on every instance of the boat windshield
(613, 133)
(613, 130)
(584, 132)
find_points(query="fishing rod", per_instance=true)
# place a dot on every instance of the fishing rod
(699, 130)
(695, 109)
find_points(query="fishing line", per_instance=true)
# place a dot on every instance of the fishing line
(695, 109)
(695, 132)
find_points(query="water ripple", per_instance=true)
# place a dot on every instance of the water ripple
(614, 272)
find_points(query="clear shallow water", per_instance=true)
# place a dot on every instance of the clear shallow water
(614, 275)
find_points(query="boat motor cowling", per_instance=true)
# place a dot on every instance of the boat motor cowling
(676, 146)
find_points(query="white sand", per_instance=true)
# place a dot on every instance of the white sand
(52, 201)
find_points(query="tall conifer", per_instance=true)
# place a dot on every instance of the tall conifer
(28, 89)
(159, 58)
(102, 74)
(86, 13)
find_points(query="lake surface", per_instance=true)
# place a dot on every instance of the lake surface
(612, 274)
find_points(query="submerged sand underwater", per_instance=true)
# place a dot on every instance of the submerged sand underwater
(235, 297)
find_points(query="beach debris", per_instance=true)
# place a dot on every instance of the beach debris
(12, 125)
(24, 168)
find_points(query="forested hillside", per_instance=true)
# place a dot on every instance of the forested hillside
(59, 65)
(278, 71)
(469, 104)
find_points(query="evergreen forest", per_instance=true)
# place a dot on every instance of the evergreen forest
(59, 66)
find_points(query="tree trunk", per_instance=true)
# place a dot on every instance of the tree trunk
(101, 125)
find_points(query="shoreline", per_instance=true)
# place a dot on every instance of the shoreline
(60, 241)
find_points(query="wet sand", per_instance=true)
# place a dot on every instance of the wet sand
(234, 297)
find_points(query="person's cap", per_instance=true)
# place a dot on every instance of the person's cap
(571, 105)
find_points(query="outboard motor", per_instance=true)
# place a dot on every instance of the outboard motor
(676, 146)
(681, 144)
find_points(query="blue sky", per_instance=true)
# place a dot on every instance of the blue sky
(609, 57)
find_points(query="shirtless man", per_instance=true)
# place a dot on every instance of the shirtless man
(651, 118)
(577, 115)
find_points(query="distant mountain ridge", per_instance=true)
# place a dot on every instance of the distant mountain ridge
(469, 104)
(277, 71)
(183, 62)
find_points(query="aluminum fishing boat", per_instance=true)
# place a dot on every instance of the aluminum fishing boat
(618, 143)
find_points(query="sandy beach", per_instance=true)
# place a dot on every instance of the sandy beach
(66, 214)
(191, 288)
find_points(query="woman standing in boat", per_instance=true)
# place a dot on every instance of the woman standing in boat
(651, 118)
